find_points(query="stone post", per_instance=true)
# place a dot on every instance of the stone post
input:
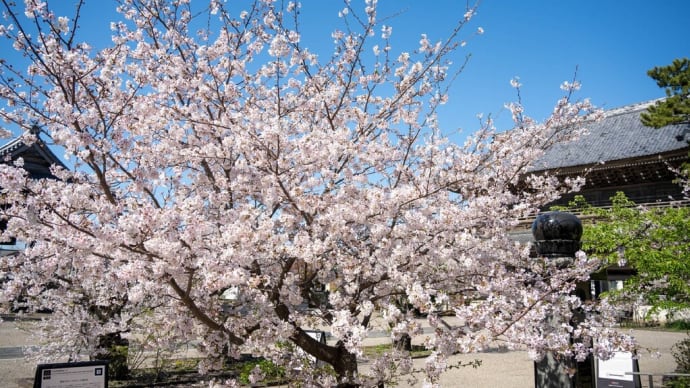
(557, 237)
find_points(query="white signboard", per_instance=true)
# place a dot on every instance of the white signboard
(317, 335)
(92, 374)
(617, 371)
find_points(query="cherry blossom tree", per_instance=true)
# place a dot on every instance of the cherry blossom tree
(212, 153)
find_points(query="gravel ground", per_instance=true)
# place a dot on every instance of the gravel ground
(498, 369)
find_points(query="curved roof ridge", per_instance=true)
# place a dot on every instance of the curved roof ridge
(36, 151)
(631, 107)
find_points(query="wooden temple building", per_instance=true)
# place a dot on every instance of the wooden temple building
(619, 154)
(37, 158)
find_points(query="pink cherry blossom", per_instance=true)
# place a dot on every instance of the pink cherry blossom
(231, 188)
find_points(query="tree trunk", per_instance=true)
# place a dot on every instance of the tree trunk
(345, 366)
(403, 343)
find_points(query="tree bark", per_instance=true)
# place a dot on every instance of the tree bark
(403, 343)
(345, 366)
(343, 362)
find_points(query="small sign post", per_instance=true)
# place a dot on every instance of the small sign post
(86, 374)
(318, 335)
(616, 372)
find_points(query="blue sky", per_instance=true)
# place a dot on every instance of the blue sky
(611, 43)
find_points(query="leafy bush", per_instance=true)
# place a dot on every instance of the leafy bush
(681, 353)
(271, 371)
(679, 325)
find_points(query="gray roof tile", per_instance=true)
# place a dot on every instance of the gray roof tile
(619, 135)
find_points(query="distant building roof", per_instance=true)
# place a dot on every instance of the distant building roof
(619, 135)
(38, 158)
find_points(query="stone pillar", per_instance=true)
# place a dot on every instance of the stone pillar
(557, 237)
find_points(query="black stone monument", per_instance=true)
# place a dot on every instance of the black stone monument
(557, 237)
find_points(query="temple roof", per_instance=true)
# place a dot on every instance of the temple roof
(618, 136)
(37, 155)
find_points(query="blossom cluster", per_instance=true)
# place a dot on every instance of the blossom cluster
(231, 186)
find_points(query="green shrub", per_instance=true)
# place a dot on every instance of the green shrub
(678, 382)
(681, 353)
(678, 325)
(271, 371)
